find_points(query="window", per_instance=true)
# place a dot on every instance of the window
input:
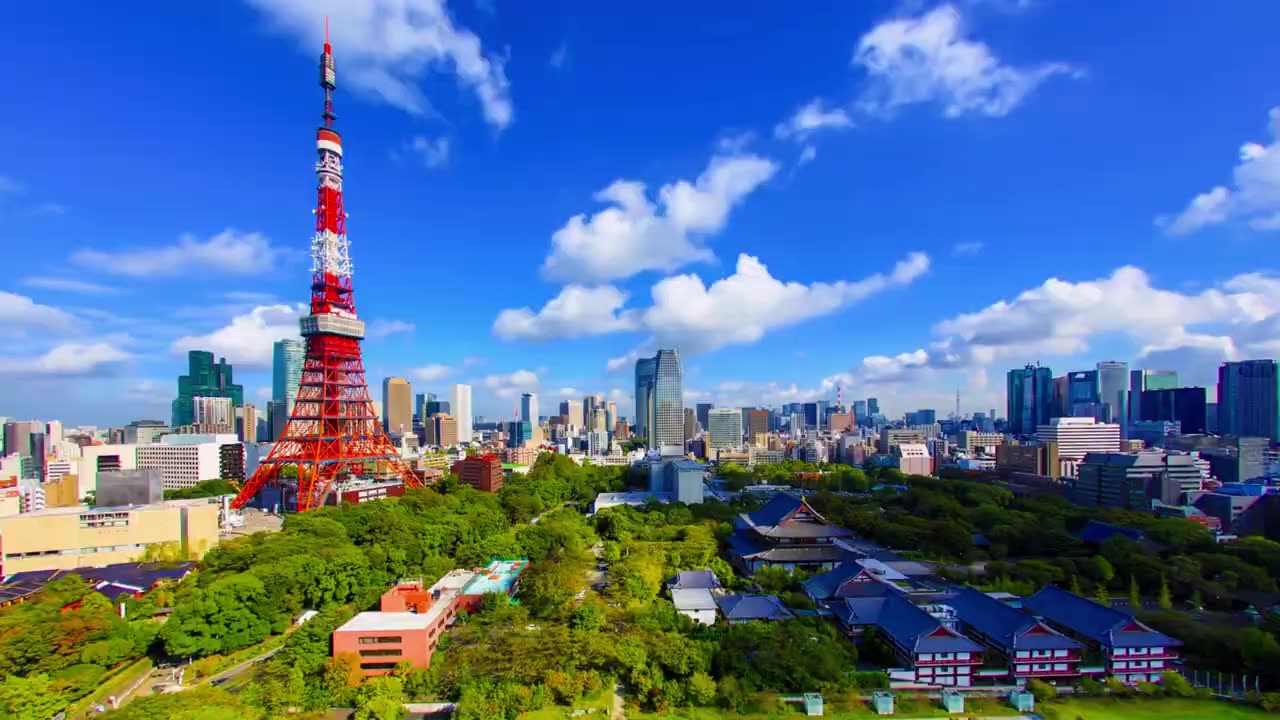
(1059, 666)
(1023, 654)
(378, 666)
(925, 657)
(381, 640)
(962, 656)
(379, 653)
(1157, 651)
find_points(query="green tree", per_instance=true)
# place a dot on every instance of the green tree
(1043, 691)
(1135, 596)
(702, 688)
(29, 698)
(1176, 685)
(1100, 569)
(1100, 594)
(1075, 586)
(380, 698)
(1163, 599)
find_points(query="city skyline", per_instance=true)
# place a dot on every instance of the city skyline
(754, 325)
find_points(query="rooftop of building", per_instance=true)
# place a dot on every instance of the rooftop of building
(86, 509)
(694, 579)
(1006, 625)
(785, 516)
(497, 576)
(753, 607)
(910, 626)
(110, 580)
(387, 621)
(1105, 625)
(691, 599)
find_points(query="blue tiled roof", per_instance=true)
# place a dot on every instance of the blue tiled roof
(827, 585)
(908, 625)
(694, 580)
(1096, 533)
(753, 607)
(1006, 626)
(1104, 625)
(110, 580)
(776, 510)
(744, 543)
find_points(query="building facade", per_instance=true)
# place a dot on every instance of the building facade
(1077, 437)
(460, 398)
(287, 358)
(482, 472)
(668, 402)
(646, 379)
(204, 378)
(397, 405)
(1029, 398)
(724, 429)
(1249, 399)
(1113, 388)
(1186, 406)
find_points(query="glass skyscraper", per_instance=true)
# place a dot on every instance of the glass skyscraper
(646, 376)
(1249, 399)
(1113, 386)
(204, 378)
(668, 402)
(286, 371)
(1030, 392)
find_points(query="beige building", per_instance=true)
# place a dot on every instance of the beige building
(442, 430)
(397, 405)
(67, 538)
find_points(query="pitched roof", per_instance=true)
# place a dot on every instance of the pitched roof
(1010, 628)
(109, 580)
(693, 599)
(1104, 625)
(753, 607)
(692, 579)
(909, 626)
(1096, 532)
(844, 581)
(788, 516)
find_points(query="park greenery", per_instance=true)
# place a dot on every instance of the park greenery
(577, 628)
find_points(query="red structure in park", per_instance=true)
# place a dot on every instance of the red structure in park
(333, 431)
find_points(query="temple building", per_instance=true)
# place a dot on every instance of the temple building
(787, 533)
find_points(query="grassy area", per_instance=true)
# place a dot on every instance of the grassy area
(1144, 709)
(838, 707)
(601, 702)
(115, 685)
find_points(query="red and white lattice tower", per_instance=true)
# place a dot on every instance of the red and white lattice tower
(333, 431)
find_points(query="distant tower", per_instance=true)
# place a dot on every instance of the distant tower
(333, 431)
(957, 403)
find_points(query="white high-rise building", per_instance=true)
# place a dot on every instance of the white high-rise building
(1078, 436)
(460, 404)
(184, 460)
(214, 414)
(724, 428)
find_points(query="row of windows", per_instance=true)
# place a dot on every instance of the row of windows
(77, 551)
(1139, 651)
(1043, 667)
(1023, 654)
(934, 657)
(378, 666)
(1139, 665)
(380, 653)
(381, 640)
(962, 670)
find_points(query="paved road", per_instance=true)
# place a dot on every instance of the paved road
(226, 675)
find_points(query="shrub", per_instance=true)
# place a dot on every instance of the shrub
(1043, 691)
(1175, 685)
(1092, 687)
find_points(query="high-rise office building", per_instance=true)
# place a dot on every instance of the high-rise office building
(646, 377)
(1140, 380)
(757, 424)
(860, 411)
(17, 436)
(204, 378)
(435, 405)
(460, 399)
(873, 407)
(247, 423)
(1249, 399)
(287, 358)
(419, 407)
(812, 418)
(610, 415)
(397, 405)
(690, 424)
(572, 412)
(1029, 398)
(1059, 397)
(668, 402)
(1113, 388)
(529, 407)
(703, 409)
(1082, 389)
(441, 430)
(1076, 437)
(277, 418)
(725, 429)
(922, 417)
(1183, 405)
(213, 415)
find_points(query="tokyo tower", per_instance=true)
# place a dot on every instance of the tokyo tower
(333, 431)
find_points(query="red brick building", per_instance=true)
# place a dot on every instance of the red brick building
(482, 472)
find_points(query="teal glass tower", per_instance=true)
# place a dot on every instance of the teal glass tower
(204, 378)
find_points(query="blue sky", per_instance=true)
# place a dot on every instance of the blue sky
(900, 199)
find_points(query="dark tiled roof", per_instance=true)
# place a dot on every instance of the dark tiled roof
(694, 580)
(908, 625)
(110, 580)
(1012, 629)
(828, 584)
(803, 554)
(1096, 533)
(746, 544)
(753, 607)
(1104, 625)
(775, 520)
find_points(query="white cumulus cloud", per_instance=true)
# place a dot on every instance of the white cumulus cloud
(635, 234)
(810, 118)
(387, 48)
(72, 359)
(381, 328)
(230, 251)
(577, 311)
(71, 285)
(1254, 195)
(432, 372)
(927, 58)
(19, 312)
(509, 385)
(690, 315)
(431, 153)
(247, 339)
